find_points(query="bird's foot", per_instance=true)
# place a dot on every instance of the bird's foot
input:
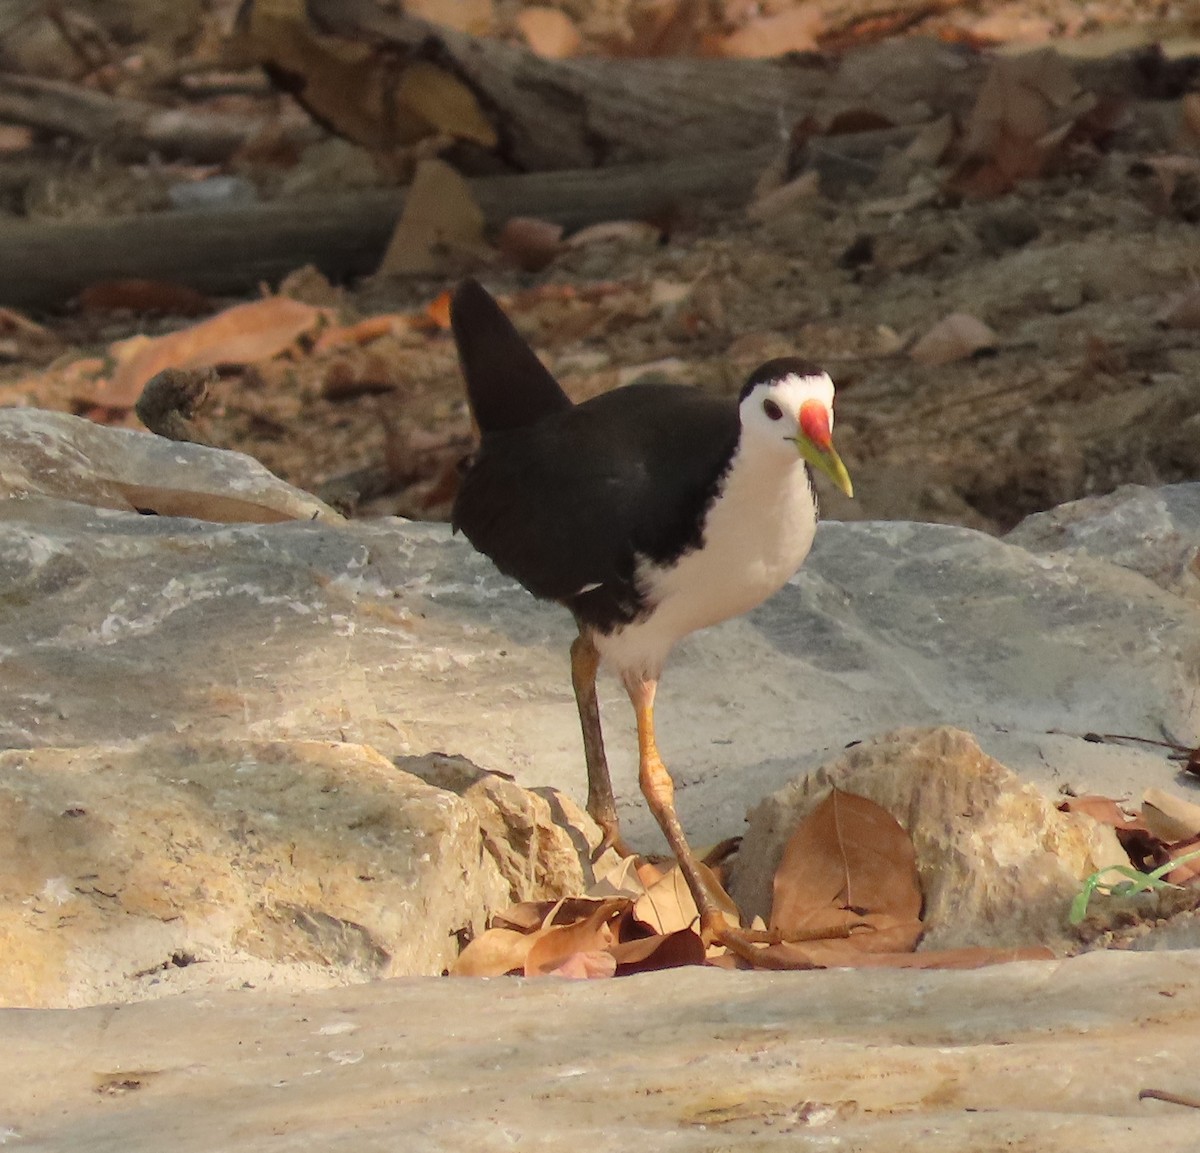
(612, 839)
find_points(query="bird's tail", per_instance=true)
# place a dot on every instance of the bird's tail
(507, 385)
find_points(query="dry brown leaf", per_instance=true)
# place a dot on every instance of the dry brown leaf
(590, 966)
(1189, 872)
(530, 244)
(849, 862)
(364, 331)
(1170, 818)
(494, 953)
(661, 951)
(594, 933)
(792, 30)
(134, 295)
(1102, 809)
(245, 334)
(1023, 113)
(955, 337)
(444, 103)
(668, 906)
(549, 32)
(440, 220)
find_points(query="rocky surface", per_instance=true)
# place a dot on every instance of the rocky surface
(1039, 1055)
(271, 754)
(148, 660)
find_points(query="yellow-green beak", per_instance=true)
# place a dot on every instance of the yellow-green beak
(826, 460)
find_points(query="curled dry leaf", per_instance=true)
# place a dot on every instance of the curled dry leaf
(615, 232)
(595, 933)
(1187, 873)
(850, 866)
(660, 951)
(144, 296)
(1170, 818)
(245, 334)
(668, 906)
(956, 337)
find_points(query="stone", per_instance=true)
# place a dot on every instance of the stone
(52, 454)
(999, 865)
(397, 640)
(1046, 1055)
(1152, 531)
(140, 870)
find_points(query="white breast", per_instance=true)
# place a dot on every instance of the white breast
(758, 532)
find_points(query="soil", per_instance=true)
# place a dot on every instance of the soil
(1089, 384)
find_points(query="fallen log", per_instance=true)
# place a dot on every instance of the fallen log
(232, 250)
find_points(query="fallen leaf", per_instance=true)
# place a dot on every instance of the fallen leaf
(596, 963)
(1102, 809)
(141, 296)
(444, 103)
(553, 946)
(1170, 818)
(792, 30)
(245, 334)
(364, 331)
(1183, 312)
(440, 220)
(1024, 110)
(549, 32)
(529, 243)
(955, 337)
(785, 199)
(661, 951)
(1187, 873)
(849, 866)
(494, 953)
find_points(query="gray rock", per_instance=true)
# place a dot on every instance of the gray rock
(399, 636)
(51, 454)
(1044, 1055)
(1153, 531)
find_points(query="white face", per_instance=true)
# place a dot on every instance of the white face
(770, 412)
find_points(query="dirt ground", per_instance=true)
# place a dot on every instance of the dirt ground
(1092, 381)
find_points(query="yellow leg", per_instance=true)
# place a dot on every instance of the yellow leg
(659, 791)
(600, 801)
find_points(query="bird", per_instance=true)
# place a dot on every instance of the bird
(649, 512)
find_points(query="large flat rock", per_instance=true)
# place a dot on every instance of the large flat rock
(1041, 1055)
(399, 636)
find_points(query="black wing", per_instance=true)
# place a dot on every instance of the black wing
(573, 501)
(506, 383)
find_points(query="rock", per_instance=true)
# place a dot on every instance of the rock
(130, 871)
(177, 631)
(999, 865)
(51, 454)
(142, 870)
(1153, 531)
(1047, 1055)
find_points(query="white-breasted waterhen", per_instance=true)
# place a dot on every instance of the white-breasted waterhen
(649, 512)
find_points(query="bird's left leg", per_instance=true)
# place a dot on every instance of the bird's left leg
(659, 791)
(601, 803)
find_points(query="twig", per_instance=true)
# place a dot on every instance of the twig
(1167, 1095)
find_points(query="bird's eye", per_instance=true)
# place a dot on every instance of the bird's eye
(773, 411)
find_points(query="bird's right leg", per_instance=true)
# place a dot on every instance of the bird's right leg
(601, 803)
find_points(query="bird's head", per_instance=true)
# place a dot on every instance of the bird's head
(787, 406)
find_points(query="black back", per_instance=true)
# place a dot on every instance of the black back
(507, 385)
(575, 499)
